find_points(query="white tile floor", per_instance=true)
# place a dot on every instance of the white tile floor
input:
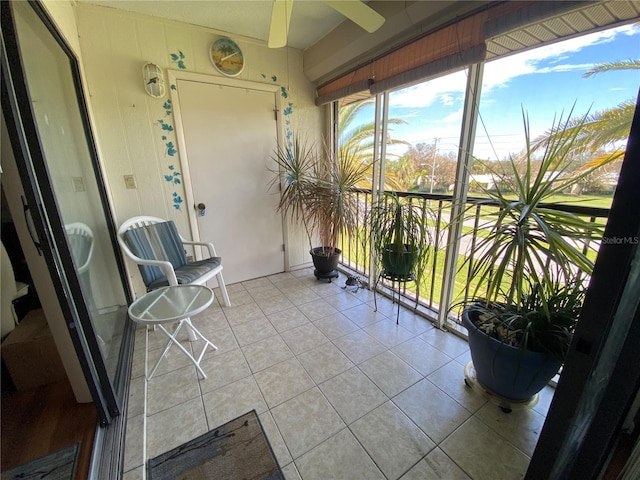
(341, 391)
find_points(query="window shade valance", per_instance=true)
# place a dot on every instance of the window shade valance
(429, 53)
(349, 88)
(438, 67)
(500, 29)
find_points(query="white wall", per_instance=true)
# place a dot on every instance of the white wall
(129, 124)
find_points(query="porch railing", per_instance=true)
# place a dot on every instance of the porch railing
(356, 252)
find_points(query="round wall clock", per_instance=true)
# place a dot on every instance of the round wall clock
(227, 57)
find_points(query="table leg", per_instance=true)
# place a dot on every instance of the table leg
(173, 340)
(190, 333)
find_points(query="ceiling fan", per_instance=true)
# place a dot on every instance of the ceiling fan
(355, 10)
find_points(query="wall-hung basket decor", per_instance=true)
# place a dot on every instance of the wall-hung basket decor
(153, 80)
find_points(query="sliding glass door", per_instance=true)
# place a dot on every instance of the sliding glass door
(65, 197)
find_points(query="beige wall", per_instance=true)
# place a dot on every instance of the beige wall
(129, 124)
(64, 18)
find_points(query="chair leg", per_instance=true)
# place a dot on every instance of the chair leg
(223, 290)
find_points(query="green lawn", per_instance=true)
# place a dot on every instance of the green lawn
(431, 283)
(598, 201)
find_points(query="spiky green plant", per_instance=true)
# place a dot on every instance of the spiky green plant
(608, 126)
(332, 204)
(293, 170)
(318, 188)
(527, 238)
(544, 322)
(400, 235)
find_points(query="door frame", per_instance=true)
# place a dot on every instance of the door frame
(173, 77)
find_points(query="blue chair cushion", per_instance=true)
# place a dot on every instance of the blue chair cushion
(189, 272)
(158, 241)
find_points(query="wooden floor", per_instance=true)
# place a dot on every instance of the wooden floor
(43, 420)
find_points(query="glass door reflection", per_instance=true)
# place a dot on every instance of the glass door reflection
(57, 107)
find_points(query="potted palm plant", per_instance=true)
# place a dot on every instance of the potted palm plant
(400, 236)
(533, 262)
(318, 192)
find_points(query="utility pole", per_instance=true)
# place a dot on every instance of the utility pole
(433, 163)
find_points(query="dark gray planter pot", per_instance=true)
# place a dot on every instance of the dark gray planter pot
(399, 265)
(504, 370)
(326, 266)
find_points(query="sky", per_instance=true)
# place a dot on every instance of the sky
(544, 83)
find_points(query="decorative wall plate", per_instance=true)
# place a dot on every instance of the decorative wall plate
(227, 57)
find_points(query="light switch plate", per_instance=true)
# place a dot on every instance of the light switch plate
(130, 181)
(78, 184)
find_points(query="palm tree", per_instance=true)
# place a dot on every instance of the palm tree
(359, 140)
(612, 124)
(361, 136)
(617, 65)
(607, 126)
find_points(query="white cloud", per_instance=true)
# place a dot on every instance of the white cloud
(501, 71)
(414, 114)
(455, 117)
(427, 94)
(448, 91)
(564, 67)
(447, 99)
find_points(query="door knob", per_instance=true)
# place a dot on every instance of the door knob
(201, 208)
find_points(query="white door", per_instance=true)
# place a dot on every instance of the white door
(230, 134)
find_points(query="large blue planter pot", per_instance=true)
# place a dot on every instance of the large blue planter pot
(504, 370)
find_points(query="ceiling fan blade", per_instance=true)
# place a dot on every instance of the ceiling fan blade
(359, 13)
(280, 19)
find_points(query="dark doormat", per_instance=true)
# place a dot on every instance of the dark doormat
(60, 465)
(238, 449)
